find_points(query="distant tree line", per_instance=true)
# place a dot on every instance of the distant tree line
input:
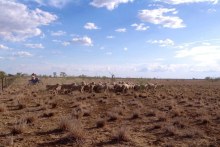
(212, 78)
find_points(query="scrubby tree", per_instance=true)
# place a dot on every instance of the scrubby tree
(54, 74)
(19, 74)
(2, 74)
(63, 74)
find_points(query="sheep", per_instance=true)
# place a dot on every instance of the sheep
(78, 88)
(121, 87)
(150, 86)
(67, 86)
(52, 87)
(89, 87)
(139, 87)
(98, 88)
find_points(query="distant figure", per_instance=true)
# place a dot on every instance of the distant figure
(34, 79)
(113, 76)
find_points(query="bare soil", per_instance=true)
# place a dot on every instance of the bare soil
(181, 113)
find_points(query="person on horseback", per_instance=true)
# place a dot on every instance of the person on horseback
(34, 79)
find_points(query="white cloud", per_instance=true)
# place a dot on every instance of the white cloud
(110, 37)
(140, 27)
(2, 58)
(176, 2)
(42, 35)
(125, 48)
(57, 41)
(90, 26)
(54, 3)
(211, 10)
(22, 54)
(205, 55)
(3, 47)
(156, 16)
(65, 43)
(162, 43)
(121, 30)
(86, 41)
(18, 22)
(58, 3)
(109, 4)
(159, 67)
(58, 33)
(34, 45)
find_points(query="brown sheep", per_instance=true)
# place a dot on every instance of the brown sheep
(51, 87)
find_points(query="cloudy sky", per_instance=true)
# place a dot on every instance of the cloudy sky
(128, 38)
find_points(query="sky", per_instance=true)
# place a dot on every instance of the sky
(127, 38)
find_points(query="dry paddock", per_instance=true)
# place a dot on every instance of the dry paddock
(181, 113)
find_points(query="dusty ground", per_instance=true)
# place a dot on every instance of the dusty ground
(182, 113)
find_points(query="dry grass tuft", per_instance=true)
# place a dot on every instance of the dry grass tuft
(122, 134)
(52, 104)
(77, 113)
(29, 119)
(161, 116)
(113, 116)
(100, 123)
(86, 112)
(170, 131)
(136, 114)
(64, 124)
(67, 123)
(47, 114)
(150, 113)
(76, 131)
(204, 120)
(20, 105)
(19, 128)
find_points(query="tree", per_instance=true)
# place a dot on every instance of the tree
(54, 74)
(63, 74)
(2, 74)
(19, 74)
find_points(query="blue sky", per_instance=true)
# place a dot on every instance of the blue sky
(129, 38)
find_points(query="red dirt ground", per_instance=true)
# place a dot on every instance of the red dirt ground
(182, 113)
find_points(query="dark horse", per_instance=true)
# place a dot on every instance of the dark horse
(34, 81)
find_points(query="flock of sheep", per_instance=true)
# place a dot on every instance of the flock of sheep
(100, 87)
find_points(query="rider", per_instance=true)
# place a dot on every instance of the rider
(34, 78)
